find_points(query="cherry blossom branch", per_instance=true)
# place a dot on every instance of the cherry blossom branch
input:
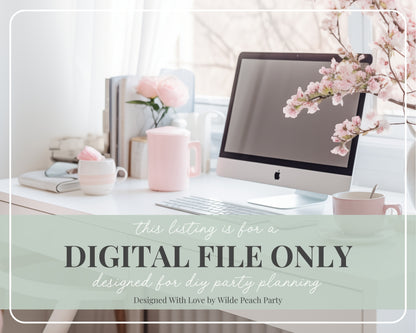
(350, 129)
(394, 74)
(409, 106)
(384, 79)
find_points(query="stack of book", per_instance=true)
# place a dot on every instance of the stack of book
(122, 121)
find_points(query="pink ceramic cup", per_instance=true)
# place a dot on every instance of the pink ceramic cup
(98, 177)
(359, 203)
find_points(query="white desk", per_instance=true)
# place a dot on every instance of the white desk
(134, 197)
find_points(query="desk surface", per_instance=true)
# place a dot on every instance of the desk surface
(134, 196)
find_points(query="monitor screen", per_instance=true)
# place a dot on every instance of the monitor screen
(256, 128)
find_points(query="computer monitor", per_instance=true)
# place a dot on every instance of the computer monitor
(261, 145)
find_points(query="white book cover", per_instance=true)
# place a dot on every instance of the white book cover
(37, 179)
(111, 102)
(134, 119)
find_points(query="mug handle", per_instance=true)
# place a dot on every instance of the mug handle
(397, 208)
(118, 169)
(195, 170)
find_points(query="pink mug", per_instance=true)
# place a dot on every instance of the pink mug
(99, 177)
(359, 203)
(169, 166)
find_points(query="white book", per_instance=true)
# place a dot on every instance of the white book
(106, 111)
(111, 103)
(134, 120)
(37, 179)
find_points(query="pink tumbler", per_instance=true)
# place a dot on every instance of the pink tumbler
(169, 166)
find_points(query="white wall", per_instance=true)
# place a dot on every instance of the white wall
(59, 63)
(40, 83)
(43, 103)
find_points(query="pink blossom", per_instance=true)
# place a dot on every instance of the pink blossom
(373, 85)
(330, 22)
(290, 112)
(370, 70)
(325, 86)
(384, 78)
(299, 93)
(340, 131)
(371, 115)
(366, 4)
(337, 99)
(382, 126)
(350, 127)
(312, 107)
(356, 120)
(362, 75)
(325, 71)
(312, 87)
(400, 72)
(396, 38)
(343, 85)
(147, 87)
(172, 92)
(340, 150)
(385, 93)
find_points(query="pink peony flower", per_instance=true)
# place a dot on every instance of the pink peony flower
(147, 87)
(172, 92)
(90, 154)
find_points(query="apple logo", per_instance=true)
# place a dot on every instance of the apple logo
(277, 175)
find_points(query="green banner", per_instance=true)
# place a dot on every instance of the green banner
(207, 262)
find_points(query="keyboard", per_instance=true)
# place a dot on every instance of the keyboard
(204, 206)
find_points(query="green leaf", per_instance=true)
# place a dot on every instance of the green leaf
(138, 102)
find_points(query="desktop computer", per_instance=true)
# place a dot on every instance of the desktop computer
(261, 145)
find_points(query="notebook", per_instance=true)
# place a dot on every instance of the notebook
(37, 179)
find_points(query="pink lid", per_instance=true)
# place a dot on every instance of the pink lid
(168, 130)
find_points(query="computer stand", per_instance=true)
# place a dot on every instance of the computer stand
(291, 201)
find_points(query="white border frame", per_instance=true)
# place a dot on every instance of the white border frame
(195, 322)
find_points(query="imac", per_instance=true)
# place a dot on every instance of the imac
(261, 145)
